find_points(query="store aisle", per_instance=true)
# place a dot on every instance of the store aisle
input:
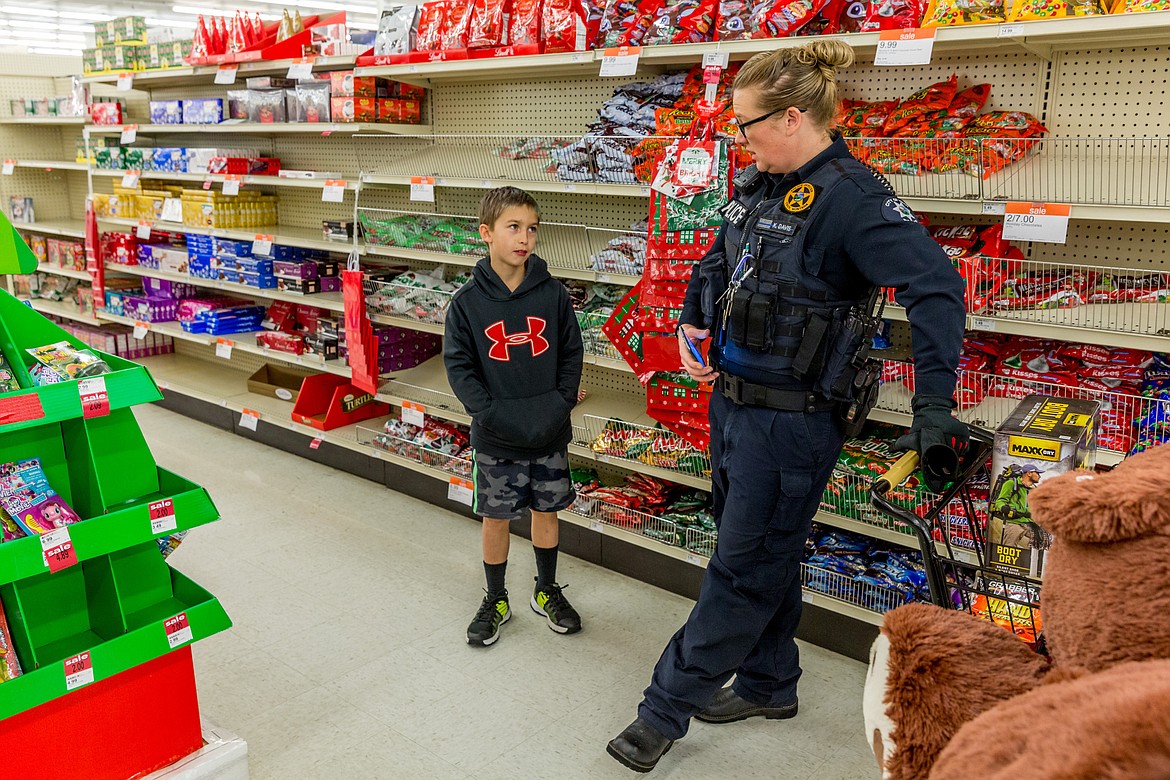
(348, 659)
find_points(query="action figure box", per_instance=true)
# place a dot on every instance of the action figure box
(1042, 438)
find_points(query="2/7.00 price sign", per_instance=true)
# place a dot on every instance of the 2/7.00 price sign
(1044, 222)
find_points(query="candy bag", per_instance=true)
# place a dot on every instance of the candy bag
(1028, 10)
(619, 15)
(852, 16)
(397, 30)
(948, 13)
(733, 19)
(431, 20)
(489, 24)
(696, 21)
(935, 97)
(456, 24)
(892, 15)
(827, 22)
(525, 23)
(1139, 6)
(563, 25)
(781, 18)
(648, 12)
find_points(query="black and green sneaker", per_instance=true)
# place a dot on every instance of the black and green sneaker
(550, 601)
(485, 628)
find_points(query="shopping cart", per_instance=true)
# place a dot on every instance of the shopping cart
(951, 531)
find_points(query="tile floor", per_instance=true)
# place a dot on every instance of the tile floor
(348, 659)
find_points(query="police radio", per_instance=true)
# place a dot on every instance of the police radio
(850, 374)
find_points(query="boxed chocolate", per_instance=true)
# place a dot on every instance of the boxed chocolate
(166, 112)
(293, 343)
(305, 269)
(399, 111)
(323, 284)
(202, 111)
(326, 347)
(337, 229)
(354, 109)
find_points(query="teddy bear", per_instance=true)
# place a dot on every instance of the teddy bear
(952, 696)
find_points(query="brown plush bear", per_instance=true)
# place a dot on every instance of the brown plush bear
(953, 697)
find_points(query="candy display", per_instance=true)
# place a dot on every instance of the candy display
(624, 254)
(838, 562)
(652, 446)
(451, 235)
(439, 444)
(415, 295)
(27, 498)
(661, 510)
(68, 362)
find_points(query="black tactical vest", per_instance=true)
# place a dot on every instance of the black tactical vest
(783, 314)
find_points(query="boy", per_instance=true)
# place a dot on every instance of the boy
(513, 355)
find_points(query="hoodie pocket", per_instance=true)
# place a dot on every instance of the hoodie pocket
(527, 423)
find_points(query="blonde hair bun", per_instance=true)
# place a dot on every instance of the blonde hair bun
(804, 76)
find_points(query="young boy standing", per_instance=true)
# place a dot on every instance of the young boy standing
(513, 355)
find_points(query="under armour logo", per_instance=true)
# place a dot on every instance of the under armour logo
(502, 340)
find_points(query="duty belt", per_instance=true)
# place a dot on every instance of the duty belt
(742, 392)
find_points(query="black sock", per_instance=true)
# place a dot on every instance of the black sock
(495, 579)
(546, 565)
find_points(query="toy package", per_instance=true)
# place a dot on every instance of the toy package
(1042, 438)
(9, 664)
(67, 362)
(27, 497)
(21, 208)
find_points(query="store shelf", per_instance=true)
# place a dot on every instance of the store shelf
(426, 384)
(204, 75)
(50, 121)
(281, 234)
(316, 183)
(66, 311)
(71, 228)
(406, 322)
(261, 128)
(243, 342)
(865, 529)
(52, 165)
(55, 270)
(468, 162)
(328, 301)
(634, 537)
(578, 63)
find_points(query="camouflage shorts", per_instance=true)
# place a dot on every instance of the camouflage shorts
(504, 488)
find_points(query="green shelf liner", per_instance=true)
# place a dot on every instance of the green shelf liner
(144, 642)
(123, 527)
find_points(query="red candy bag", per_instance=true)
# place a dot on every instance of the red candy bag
(457, 23)
(827, 22)
(781, 18)
(635, 32)
(936, 97)
(618, 16)
(488, 27)
(563, 25)
(525, 23)
(852, 16)
(696, 21)
(733, 20)
(892, 15)
(430, 26)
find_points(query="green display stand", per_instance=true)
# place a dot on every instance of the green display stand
(116, 602)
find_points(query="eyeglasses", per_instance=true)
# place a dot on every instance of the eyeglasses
(743, 126)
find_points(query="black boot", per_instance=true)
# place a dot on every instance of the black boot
(640, 746)
(728, 707)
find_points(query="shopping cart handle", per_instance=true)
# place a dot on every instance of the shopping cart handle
(898, 473)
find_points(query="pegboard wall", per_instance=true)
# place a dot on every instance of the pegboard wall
(1110, 93)
(1134, 245)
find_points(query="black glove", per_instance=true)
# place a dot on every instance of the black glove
(1036, 536)
(937, 437)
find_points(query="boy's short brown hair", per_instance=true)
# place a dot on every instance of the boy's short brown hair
(495, 201)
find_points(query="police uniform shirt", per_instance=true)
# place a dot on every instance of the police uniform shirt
(867, 236)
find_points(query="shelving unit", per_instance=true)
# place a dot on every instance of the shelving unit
(69, 228)
(259, 128)
(61, 309)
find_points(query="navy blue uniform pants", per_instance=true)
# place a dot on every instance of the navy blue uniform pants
(769, 470)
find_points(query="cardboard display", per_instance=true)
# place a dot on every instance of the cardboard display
(327, 401)
(276, 381)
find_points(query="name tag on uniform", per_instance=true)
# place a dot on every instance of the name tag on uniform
(734, 212)
(773, 227)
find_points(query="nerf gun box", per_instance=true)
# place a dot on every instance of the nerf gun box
(1042, 438)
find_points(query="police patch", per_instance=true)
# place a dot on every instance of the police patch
(734, 212)
(894, 210)
(800, 198)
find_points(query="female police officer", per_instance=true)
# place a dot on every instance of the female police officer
(809, 235)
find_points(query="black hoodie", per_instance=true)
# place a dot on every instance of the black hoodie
(514, 360)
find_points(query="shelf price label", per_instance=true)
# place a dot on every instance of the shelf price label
(714, 59)
(178, 630)
(226, 74)
(223, 348)
(315, 444)
(78, 671)
(143, 230)
(172, 210)
(333, 191)
(249, 418)
(414, 414)
(422, 188)
(129, 134)
(125, 82)
(58, 550)
(162, 516)
(9, 167)
(231, 184)
(994, 207)
(460, 490)
(262, 244)
(130, 178)
(905, 47)
(622, 61)
(1011, 30)
(140, 329)
(301, 68)
(1043, 222)
(696, 560)
(95, 401)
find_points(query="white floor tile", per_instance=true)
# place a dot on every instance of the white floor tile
(348, 657)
